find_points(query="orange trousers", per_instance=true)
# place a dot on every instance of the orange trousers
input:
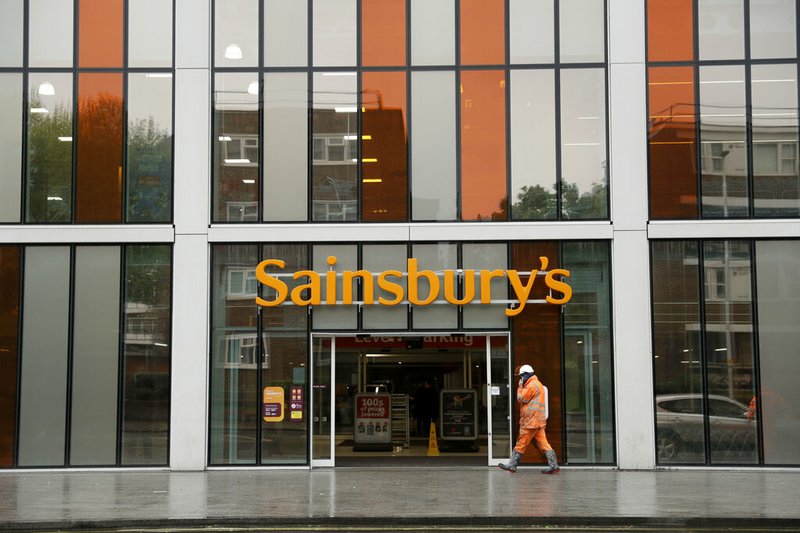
(526, 435)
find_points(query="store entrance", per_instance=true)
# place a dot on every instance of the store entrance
(410, 400)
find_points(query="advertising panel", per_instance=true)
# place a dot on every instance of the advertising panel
(373, 420)
(459, 415)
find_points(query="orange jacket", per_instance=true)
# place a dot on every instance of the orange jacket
(531, 404)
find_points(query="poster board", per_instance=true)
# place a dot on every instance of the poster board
(373, 419)
(459, 415)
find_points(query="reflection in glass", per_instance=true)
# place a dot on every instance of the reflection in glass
(531, 30)
(100, 33)
(384, 147)
(45, 338)
(383, 33)
(285, 146)
(729, 351)
(285, 363)
(10, 146)
(98, 184)
(149, 155)
(335, 147)
(236, 171)
(501, 403)
(776, 187)
(50, 34)
(334, 38)
(677, 357)
(589, 367)
(378, 258)
(335, 316)
(672, 138)
(533, 148)
(487, 256)
(95, 356)
(581, 30)
(778, 338)
(720, 27)
(584, 164)
(234, 345)
(773, 31)
(433, 146)
(150, 33)
(10, 271)
(285, 33)
(433, 32)
(11, 34)
(723, 142)
(146, 355)
(236, 33)
(49, 170)
(670, 30)
(435, 258)
(482, 32)
(483, 145)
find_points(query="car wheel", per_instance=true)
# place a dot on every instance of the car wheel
(668, 445)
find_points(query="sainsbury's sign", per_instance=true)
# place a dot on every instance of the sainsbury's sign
(391, 281)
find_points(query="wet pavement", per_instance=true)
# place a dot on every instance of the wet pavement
(394, 499)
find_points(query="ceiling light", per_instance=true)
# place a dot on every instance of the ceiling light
(224, 138)
(253, 87)
(346, 109)
(54, 198)
(372, 180)
(158, 75)
(236, 161)
(47, 89)
(233, 51)
(65, 139)
(39, 110)
(248, 181)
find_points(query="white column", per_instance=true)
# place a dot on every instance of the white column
(188, 424)
(630, 250)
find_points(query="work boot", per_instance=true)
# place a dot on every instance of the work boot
(512, 464)
(551, 462)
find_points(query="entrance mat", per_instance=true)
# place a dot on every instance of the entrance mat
(411, 462)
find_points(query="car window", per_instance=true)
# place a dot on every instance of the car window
(690, 406)
(718, 407)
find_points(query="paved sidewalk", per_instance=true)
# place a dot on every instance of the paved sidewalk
(395, 497)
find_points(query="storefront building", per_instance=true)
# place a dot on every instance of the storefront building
(231, 228)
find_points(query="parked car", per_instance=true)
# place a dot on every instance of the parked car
(680, 426)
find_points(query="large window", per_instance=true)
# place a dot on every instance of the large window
(95, 82)
(723, 128)
(405, 110)
(724, 312)
(85, 336)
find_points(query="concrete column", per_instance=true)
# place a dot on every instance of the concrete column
(189, 419)
(630, 249)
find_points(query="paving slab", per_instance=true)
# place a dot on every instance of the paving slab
(390, 497)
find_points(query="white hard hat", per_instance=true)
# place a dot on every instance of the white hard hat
(525, 369)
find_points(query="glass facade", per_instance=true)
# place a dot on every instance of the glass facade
(89, 324)
(723, 125)
(401, 111)
(710, 372)
(94, 79)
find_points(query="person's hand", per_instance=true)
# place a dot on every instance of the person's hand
(519, 383)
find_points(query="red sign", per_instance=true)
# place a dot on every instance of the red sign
(374, 406)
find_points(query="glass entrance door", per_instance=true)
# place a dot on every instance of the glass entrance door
(493, 386)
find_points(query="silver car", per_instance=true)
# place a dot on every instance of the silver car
(681, 434)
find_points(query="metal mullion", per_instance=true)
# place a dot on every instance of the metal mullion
(507, 92)
(459, 285)
(74, 71)
(124, 163)
(259, 367)
(310, 132)
(457, 88)
(20, 320)
(70, 356)
(697, 129)
(212, 253)
(756, 353)
(557, 107)
(703, 357)
(261, 171)
(123, 271)
(25, 106)
(174, 71)
(748, 95)
(563, 358)
(214, 144)
(359, 122)
(359, 287)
